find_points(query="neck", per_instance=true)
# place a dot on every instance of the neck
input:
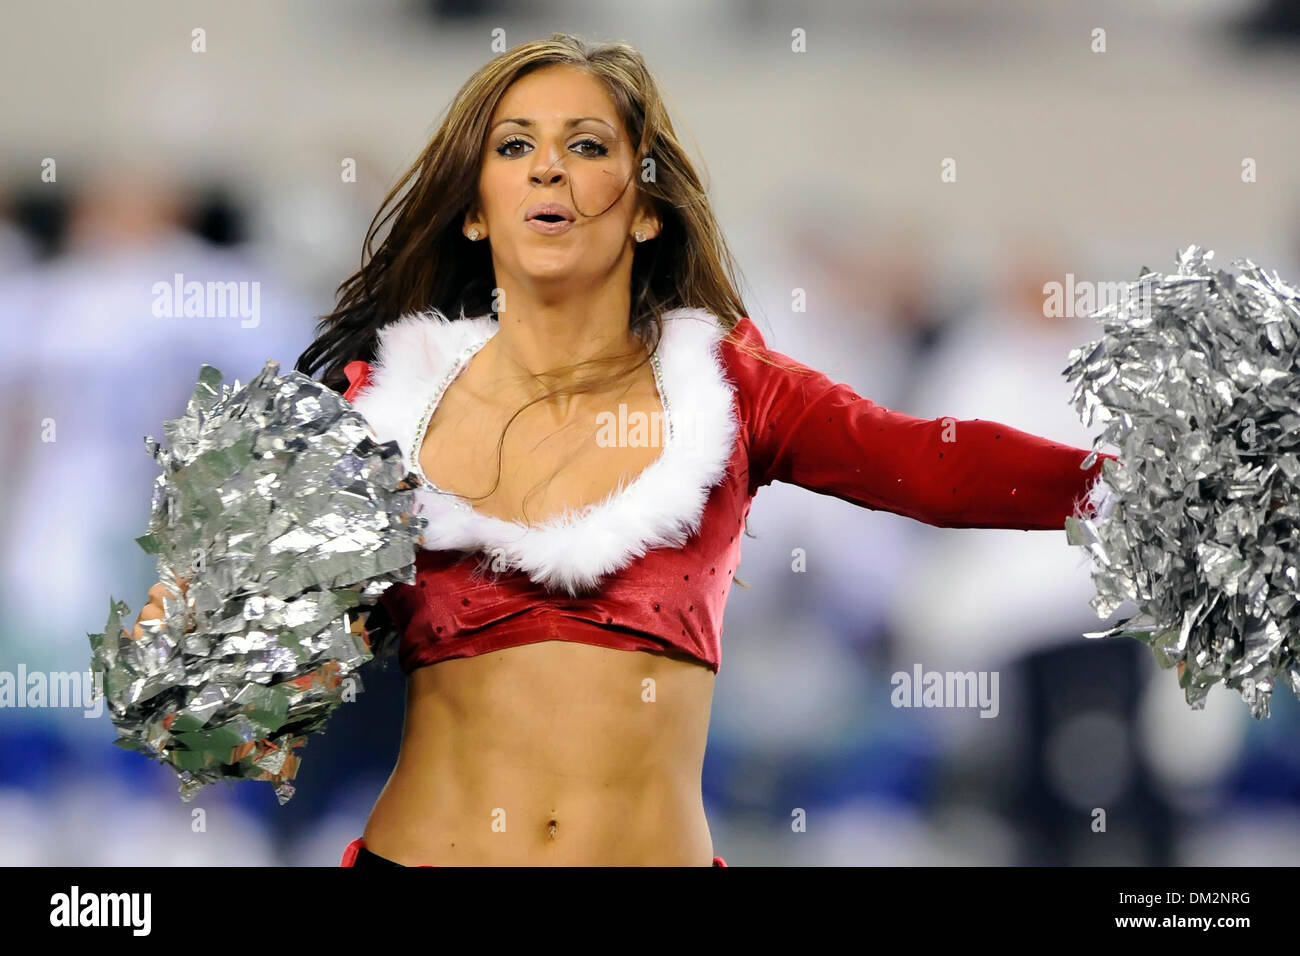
(536, 340)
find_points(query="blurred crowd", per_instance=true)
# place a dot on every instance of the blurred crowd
(915, 313)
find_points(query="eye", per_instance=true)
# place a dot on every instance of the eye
(504, 148)
(595, 146)
(599, 149)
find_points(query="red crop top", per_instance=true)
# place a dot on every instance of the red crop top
(649, 568)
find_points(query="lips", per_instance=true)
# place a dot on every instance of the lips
(552, 212)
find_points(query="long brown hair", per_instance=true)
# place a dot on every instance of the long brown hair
(426, 262)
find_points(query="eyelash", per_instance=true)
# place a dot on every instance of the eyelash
(601, 149)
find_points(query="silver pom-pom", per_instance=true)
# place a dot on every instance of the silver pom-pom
(1195, 378)
(287, 522)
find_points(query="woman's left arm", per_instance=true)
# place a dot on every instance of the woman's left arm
(808, 430)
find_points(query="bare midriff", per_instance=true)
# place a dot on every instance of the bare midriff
(553, 753)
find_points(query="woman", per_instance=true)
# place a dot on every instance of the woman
(552, 335)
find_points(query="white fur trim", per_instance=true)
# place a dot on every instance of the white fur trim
(1098, 503)
(660, 507)
(1102, 499)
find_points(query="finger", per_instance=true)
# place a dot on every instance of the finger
(160, 590)
(150, 612)
(147, 613)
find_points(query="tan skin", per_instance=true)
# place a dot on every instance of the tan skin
(547, 753)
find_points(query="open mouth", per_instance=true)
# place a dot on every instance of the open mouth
(551, 217)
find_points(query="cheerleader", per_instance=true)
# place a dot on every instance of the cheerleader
(551, 334)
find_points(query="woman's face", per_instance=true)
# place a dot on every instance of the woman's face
(556, 137)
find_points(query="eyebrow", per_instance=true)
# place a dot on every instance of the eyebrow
(568, 124)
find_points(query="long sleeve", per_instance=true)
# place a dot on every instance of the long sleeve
(806, 429)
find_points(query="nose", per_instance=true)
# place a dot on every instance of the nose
(547, 171)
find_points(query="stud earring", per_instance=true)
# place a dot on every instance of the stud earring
(639, 236)
(473, 235)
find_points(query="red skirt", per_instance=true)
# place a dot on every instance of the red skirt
(355, 848)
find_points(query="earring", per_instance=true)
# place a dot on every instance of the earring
(473, 235)
(639, 236)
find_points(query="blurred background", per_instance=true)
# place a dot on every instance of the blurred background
(1087, 141)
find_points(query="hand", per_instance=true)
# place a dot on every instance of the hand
(153, 610)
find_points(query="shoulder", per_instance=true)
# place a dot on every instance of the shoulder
(702, 347)
(703, 357)
(745, 334)
(413, 354)
(754, 367)
(421, 345)
(732, 349)
(417, 344)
